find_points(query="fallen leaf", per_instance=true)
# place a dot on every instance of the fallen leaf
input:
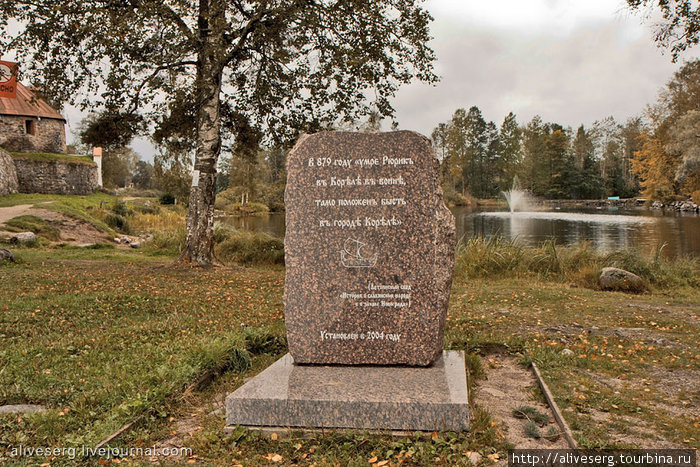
(274, 457)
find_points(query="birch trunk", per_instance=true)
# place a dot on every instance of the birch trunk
(199, 248)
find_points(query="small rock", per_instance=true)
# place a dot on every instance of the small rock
(22, 408)
(135, 244)
(567, 352)
(6, 255)
(474, 457)
(24, 237)
(117, 240)
(125, 240)
(619, 279)
(573, 286)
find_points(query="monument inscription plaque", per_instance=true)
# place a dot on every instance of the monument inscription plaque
(369, 250)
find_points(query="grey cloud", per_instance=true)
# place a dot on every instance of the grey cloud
(594, 72)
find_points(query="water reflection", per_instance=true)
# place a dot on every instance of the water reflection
(605, 232)
(605, 229)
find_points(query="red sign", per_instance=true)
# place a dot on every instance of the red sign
(8, 79)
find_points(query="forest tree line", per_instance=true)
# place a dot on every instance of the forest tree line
(480, 159)
(656, 155)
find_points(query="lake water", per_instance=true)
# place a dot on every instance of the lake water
(606, 229)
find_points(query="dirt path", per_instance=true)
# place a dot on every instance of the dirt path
(72, 230)
(509, 386)
(11, 212)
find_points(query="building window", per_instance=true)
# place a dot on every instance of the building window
(30, 127)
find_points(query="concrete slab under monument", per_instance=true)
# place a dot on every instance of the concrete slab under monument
(432, 398)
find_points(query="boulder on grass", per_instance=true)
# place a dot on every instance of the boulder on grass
(24, 237)
(22, 409)
(621, 280)
(6, 255)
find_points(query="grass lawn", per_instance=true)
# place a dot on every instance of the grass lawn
(100, 337)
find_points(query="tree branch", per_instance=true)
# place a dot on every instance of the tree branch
(156, 71)
(245, 32)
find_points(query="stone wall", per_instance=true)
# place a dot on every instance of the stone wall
(49, 134)
(8, 174)
(65, 177)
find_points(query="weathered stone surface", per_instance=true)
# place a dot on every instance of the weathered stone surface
(6, 255)
(368, 397)
(619, 279)
(8, 174)
(55, 176)
(22, 408)
(369, 250)
(50, 134)
(23, 237)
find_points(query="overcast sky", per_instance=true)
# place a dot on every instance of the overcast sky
(570, 61)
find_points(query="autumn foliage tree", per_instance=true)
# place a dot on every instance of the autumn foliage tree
(655, 167)
(669, 161)
(286, 65)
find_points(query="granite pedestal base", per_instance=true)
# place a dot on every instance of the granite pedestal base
(361, 397)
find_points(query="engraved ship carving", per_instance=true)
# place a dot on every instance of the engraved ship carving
(351, 256)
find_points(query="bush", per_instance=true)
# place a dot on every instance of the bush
(169, 241)
(272, 196)
(222, 232)
(478, 257)
(453, 198)
(166, 198)
(223, 353)
(695, 196)
(251, 248)
(262, 341)
(118, 222)
(163, 219)
(120, 208)
(229, 196)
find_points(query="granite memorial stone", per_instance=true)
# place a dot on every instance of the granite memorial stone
(369, 250)
(369, 254)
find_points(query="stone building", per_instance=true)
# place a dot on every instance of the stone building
(29, 124)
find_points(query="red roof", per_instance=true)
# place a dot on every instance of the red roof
(27, 104)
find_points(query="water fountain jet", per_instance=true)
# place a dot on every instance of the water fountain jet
(517, 198)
